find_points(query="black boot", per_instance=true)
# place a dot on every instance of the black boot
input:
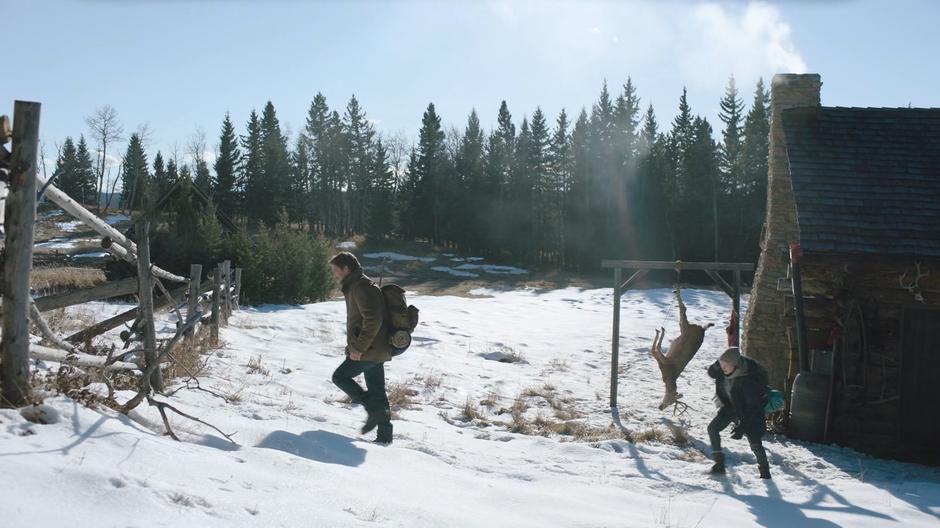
(718, 468)
(372, 420)
(764, 471)
(761, 455)
(384, 436)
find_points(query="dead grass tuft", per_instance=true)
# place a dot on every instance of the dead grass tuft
(58, 278)
(400, 396)
(255, 367)
(470, 412)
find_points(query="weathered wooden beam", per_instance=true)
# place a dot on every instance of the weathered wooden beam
(123, 254)
(18, 256)
(666, 265)
(96, 293)
(720, 281)
(75, 209)
(79, 360)
(146, 302)
(227, 292)
(216, 305)
(636, 277)
(121, 318)
(238, 288)
(615, 341)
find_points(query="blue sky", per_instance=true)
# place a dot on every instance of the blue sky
(178, 65)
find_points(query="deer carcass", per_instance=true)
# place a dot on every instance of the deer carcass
(681, 351)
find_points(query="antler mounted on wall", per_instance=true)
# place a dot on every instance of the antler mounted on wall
(914, 285)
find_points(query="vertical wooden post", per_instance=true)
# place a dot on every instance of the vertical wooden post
(227, 287)
(216, 293)
(238, 289)
(737, 304)
(615, 341)
(145, 283)
(20, 215)
(195, 280)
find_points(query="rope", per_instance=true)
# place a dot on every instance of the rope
(678, 269)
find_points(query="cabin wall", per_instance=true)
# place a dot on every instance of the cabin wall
(857, 307)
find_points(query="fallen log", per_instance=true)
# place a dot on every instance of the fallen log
(79, 360)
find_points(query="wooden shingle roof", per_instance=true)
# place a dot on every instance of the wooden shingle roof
(866, 180)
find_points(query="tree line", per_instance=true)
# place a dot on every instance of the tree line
(609, 182)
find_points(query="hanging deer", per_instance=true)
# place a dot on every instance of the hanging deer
(681, 351)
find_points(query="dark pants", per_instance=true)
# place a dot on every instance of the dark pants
(374, 399)
(723, 419)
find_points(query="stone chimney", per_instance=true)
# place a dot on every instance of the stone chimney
(765, 333)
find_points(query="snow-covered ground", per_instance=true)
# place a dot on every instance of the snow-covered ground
(301, 462)
(393, 256)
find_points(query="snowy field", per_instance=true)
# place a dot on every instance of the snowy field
(300, 460)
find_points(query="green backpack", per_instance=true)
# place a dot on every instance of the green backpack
(775, 401)
(401, 319)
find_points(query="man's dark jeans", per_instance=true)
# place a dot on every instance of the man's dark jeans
(375, 398)
(723, 419)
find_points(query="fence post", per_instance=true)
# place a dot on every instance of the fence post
(145, 279)
(227, 287)
(238, 289)
(615, 341)
(192, 301)
(216, 292)
(20, 215)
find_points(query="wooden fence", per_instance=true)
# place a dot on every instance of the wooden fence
(206, 303)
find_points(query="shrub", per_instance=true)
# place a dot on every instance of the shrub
(282, 265)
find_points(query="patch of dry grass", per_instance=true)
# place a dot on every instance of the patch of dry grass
(188, 357)
(470, 411)
(400, 396)
(57, 278)
(64, 322)
(255, 367)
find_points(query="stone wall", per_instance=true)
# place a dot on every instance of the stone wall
(765, 335)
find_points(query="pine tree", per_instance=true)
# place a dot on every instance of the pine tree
(623, 237)
(559, 185)
(137, 189)
(431, 171)
(470, 170)
(316, 138)
(300, 194)
(358, 134)
(408, 198)
(226, 165)
(519, 204)
(730, 114)
(252, 170)
(203, 179)
(381, 205)
(66, 175)
(161, 180)
(655, 236)
(753, 184)
(85, 172)
(499, 156)
(539, 185)
(274, 188)
(579, 200)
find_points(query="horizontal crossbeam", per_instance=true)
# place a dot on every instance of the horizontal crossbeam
(667, 265)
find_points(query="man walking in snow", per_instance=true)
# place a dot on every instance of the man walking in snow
(367, 346)
(741, 393)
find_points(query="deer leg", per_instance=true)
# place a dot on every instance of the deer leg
(656, 350)
(683, 320)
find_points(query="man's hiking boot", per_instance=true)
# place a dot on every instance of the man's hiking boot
(718, 468)
(764, 471)
(384, 436)
(376, 418)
